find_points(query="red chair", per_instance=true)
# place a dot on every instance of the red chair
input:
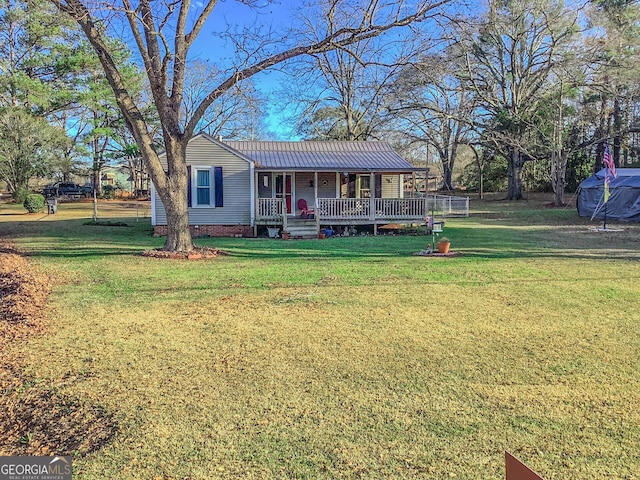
(305, 211)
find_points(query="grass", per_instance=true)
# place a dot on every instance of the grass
(348, 357)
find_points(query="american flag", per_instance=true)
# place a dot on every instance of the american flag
(607, 159)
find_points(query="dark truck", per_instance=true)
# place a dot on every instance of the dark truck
(65, 189)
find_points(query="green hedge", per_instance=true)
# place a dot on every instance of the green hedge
(34, 203)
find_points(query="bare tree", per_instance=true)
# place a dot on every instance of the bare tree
(612, 72)
(237, 115)
(435, 107)
(163, 32)
(510, 61)
(343, 91)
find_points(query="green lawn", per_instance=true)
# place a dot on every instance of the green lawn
(347, 357)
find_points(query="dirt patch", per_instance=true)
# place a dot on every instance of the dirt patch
(195, 254)
(37, 420)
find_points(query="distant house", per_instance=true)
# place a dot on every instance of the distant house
(235, 187)
(117, 177)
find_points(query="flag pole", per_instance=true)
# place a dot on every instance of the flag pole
(605, 196)
(609, 166)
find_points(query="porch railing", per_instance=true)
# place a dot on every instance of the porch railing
(401, 208)
(269, 208)
(372, 209)
(343, 208)
(389, 209)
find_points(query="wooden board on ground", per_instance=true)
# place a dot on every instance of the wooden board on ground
(516, 470)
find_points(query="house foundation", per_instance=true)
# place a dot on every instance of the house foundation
(210, 231)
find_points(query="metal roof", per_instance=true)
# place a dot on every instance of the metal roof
(336, 156)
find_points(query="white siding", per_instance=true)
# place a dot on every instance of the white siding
(390, 186)
(236, 186)
(328, 190)
(305, 189)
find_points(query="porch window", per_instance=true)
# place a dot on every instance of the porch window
(365, 186)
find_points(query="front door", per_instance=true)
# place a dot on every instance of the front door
(284, 190)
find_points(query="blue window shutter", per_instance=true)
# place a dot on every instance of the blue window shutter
(188, 185)
(217, 180)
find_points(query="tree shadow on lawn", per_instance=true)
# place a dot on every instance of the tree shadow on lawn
(564, 241)
(482, 239)
(473, 243)
(72, 238)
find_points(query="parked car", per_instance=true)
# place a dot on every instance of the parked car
(87, 189)
(63, 189)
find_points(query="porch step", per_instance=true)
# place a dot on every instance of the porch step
(302, 230)
(307, 222)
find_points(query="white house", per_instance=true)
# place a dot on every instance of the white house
(237, 186)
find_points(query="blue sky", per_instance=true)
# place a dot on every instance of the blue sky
(230, 15)
(278, 17)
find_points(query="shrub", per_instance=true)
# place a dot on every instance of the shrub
(34, 202)
(494, 179)
(20, 195)
(108, 191)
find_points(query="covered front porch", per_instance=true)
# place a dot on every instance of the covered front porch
(336, 198)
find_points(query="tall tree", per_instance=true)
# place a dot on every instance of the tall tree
(435, 107)
(163, 33)
(40, 56)
(28, 147)
(342, 91)
(613, 60)
(100, 112)
(510, 61)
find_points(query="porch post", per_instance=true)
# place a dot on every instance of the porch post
(284, 201)
(315, 189)
(256, 203)
(316, 210)
(372, 196)
(426, 198)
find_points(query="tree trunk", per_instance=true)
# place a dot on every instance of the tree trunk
(514, 175)
(480, 165)
(446, 176)
(559, 182)
(174, 199)
(178, 233)
(448, 157)
(96, 180)
(559, 175)
(617, 128)
(597, 166)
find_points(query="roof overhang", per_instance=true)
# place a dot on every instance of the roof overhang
(335, 170)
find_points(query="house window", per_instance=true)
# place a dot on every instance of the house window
(365, 186)
(203, 187)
